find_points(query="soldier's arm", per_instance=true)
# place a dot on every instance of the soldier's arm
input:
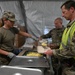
(3, 52)
(68, 52)
(48, 35)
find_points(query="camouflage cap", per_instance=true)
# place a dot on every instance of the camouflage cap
(9, 15)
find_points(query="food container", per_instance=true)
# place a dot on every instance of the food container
(30, 61)
(15, 70)
(27, 46)
(26, 61)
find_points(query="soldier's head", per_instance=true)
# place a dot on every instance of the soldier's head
(58, 22)
(68, 9)
(8, 18)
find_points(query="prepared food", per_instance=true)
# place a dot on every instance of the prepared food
(44, 44)
(34, 54)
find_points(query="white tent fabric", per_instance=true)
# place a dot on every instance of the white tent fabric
(39, 14)
(12, 6)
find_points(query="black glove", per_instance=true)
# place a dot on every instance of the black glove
(11, 55)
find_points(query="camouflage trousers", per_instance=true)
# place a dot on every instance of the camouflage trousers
(56, 66)
(4, 60)
(68, 66)
(68, 71)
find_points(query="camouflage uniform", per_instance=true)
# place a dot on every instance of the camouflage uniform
(67, 54)
(55, 34)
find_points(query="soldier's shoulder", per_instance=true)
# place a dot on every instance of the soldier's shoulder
(53, 29)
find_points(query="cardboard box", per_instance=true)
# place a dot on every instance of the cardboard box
(19, 40)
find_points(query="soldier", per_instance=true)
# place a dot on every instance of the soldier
(55, 34)
(66, 52)
(7, 35)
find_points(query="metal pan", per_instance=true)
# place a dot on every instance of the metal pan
(25, 61)
(14, 70)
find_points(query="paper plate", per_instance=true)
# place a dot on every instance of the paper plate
(41, 49)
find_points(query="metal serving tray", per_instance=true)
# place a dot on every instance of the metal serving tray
(14, 70)
(26, 61)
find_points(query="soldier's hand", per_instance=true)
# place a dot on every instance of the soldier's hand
(29, 35)
(53, 46)
(40, 38)
(49, 52)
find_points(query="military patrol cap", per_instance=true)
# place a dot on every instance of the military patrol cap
(9, 15)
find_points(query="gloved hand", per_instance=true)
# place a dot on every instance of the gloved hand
(11, 55)
(34, 38)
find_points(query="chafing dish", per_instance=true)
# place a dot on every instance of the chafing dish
(26, 61)
(15, 70)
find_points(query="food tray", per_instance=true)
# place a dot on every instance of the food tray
(26, 61)
(14, 70)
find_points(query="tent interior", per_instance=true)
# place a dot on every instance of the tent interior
(33, 16)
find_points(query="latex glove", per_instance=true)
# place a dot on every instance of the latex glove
(34, 38)
(11, 55)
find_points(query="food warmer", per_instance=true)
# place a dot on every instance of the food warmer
(23, 60)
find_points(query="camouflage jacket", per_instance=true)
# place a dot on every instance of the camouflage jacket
(55, 34)
(68, 52)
